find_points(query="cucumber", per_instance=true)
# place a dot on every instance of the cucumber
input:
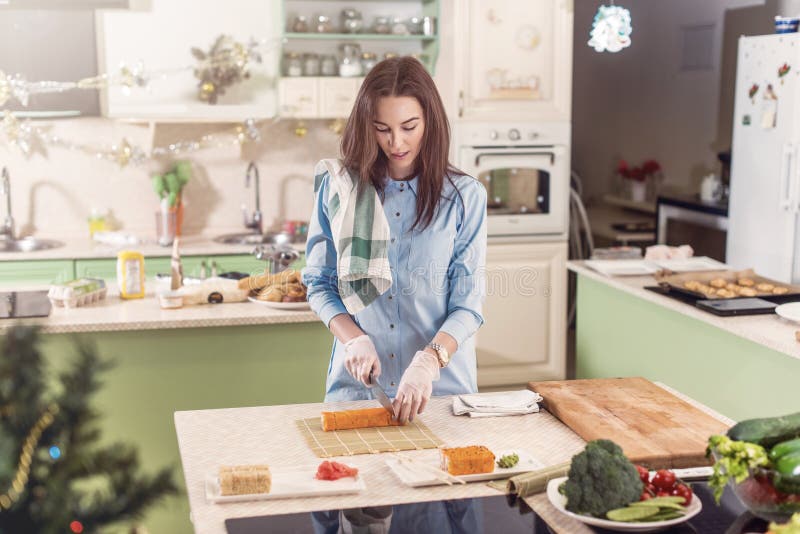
(631, 513)
(789, 464)
(786, 484)
(783, 448)
(767, 431)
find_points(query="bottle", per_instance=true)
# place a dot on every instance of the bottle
(97, 221)
(130, 274)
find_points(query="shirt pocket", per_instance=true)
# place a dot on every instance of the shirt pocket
(430, 254)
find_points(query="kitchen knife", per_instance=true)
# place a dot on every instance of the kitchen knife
(384, 399)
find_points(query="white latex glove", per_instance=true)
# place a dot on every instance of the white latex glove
(416, 386)
(361, 358)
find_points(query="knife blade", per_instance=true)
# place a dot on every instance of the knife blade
(383, 398)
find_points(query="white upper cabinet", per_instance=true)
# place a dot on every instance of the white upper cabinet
(161, 33)
(514, 59)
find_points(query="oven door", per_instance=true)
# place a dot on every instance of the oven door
(527, 188)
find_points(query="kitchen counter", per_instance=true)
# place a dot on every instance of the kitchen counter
(770, 331)
(211, 438)
(84, 248)
(117, 315)
(742, 367)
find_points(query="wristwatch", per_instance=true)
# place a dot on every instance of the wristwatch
(441, 354)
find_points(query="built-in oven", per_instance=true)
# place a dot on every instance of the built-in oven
(526, 170)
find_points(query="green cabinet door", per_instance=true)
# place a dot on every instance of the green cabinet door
(35, 272)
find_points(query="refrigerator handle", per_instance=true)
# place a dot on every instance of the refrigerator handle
(786, 185)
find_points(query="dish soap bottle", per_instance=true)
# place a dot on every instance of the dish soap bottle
(130, 274)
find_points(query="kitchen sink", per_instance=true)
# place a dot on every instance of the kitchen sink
(28, 244)
(277, 238)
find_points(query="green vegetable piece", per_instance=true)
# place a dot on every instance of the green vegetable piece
(173, 184)
(792, 527)
(789, 464)
(631, 513)
(183, 170)
(735, 461)
(600, 479)
(159, 186)
(785, 447)
(767, 431)
(658, 501)
(787, 484)
(664, 515)
(507, 461)
(173, 199)
(670, 505)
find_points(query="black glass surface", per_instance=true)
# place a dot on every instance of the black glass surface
(507, 515)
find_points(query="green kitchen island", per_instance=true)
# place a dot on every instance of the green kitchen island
(198, 357)
(743, 367)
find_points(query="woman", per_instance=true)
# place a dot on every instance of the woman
(399, 214)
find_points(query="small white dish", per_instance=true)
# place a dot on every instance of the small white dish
(286, 484)
(415, 478)
(790, 311)
(281, 305)
(559, 502)
(170, 299)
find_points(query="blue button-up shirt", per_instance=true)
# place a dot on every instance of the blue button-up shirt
(438, 283)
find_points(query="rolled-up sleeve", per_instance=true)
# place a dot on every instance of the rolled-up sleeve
(466, 272)
(319, 274)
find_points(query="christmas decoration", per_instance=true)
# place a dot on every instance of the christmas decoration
(783, 70)
(611, 29)
(753, 90)
(29, 139)
(225, 64)
(46, 492)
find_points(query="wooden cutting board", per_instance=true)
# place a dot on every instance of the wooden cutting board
(654, 427)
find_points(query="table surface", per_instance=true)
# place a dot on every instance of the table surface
(210, 438)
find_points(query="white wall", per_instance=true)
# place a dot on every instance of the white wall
(640, 104)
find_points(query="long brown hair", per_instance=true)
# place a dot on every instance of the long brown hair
(361, 155)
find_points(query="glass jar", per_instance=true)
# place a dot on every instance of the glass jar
(350, 60)
(414, 25)
(381, 25)
(299, 24)
(368, 60)
(329, 66)
(389, 55)
(352, 22)
(323, 24)
(399, 26)
(311, 64)
(292, 64)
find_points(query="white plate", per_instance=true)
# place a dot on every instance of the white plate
(289, 483)
(623, 267)
(789, 311)
(693, 264)
(281, 305)
(559, 501)
(410, 476)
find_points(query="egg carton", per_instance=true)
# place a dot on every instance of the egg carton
(78, 292)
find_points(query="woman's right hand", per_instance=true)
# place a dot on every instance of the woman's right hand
(361, 358)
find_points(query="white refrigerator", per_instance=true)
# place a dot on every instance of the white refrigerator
(765, 182)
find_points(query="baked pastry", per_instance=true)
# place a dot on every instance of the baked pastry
(271, 294)
(718, 283)
(725, 294)
(780, 290)
(244, 479)
(691, 285)
(747, 292)
(467, 460)
(746, 282)
(348, 419)
(765, 287)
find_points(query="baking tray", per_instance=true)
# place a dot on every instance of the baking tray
(676, 283)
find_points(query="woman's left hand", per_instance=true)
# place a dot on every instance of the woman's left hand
(416, 386)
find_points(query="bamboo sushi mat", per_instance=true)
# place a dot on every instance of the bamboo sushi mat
(413, 436)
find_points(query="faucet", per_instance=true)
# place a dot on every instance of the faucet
(256, 221)
(7, 230)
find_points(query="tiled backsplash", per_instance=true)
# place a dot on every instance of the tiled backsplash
(53, 190)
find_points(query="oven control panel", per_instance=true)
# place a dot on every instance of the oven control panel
(481, 134)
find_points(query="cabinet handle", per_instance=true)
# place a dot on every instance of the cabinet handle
(786, 186)
(461, 103)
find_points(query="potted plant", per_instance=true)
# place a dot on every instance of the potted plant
(637, 178)
(168, 187)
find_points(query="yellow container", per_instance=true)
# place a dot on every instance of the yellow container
(130, 274)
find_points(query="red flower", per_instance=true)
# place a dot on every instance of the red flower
(651, 166)
(638, 174)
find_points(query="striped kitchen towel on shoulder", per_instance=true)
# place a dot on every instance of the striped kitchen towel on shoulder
(360, 234)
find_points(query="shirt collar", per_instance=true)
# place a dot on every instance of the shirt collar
(402, 184)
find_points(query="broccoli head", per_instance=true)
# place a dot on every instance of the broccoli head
(600, 479)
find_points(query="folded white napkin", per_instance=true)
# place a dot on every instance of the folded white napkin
(497, 404)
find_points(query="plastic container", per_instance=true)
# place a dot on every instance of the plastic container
(75, 293)
(130, 274)
(170, 299)
(786, 24)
